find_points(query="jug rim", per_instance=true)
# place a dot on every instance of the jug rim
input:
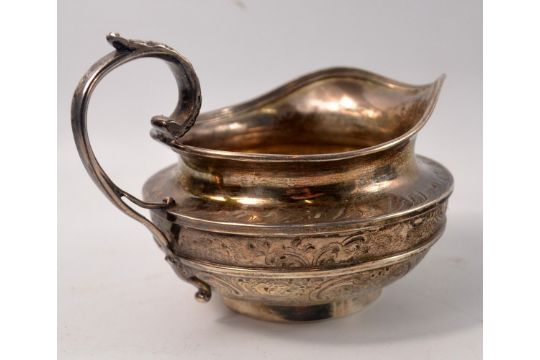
(290, 87)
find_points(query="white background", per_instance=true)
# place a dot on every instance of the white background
(118, 299)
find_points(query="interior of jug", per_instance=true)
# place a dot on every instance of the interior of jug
(332, 111)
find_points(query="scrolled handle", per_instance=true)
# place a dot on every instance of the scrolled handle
(177, 124)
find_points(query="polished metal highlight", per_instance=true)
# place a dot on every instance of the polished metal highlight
(299, 205)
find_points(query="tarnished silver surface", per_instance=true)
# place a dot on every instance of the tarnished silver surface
(298, 205)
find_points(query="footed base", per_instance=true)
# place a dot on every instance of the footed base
(292, 313)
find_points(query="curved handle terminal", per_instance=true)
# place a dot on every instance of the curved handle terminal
(176, 125)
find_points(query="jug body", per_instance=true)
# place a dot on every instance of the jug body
(299, 205)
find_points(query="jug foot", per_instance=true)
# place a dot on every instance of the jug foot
(294, 313)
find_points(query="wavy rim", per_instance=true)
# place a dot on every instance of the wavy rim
(290, 87)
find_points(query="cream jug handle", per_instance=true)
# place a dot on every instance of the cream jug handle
(178, 123)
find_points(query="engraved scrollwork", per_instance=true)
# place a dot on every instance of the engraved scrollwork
(314, 252)
(343, 287)
(317, 289)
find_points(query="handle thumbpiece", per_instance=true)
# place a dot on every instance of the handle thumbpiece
(177, 124)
